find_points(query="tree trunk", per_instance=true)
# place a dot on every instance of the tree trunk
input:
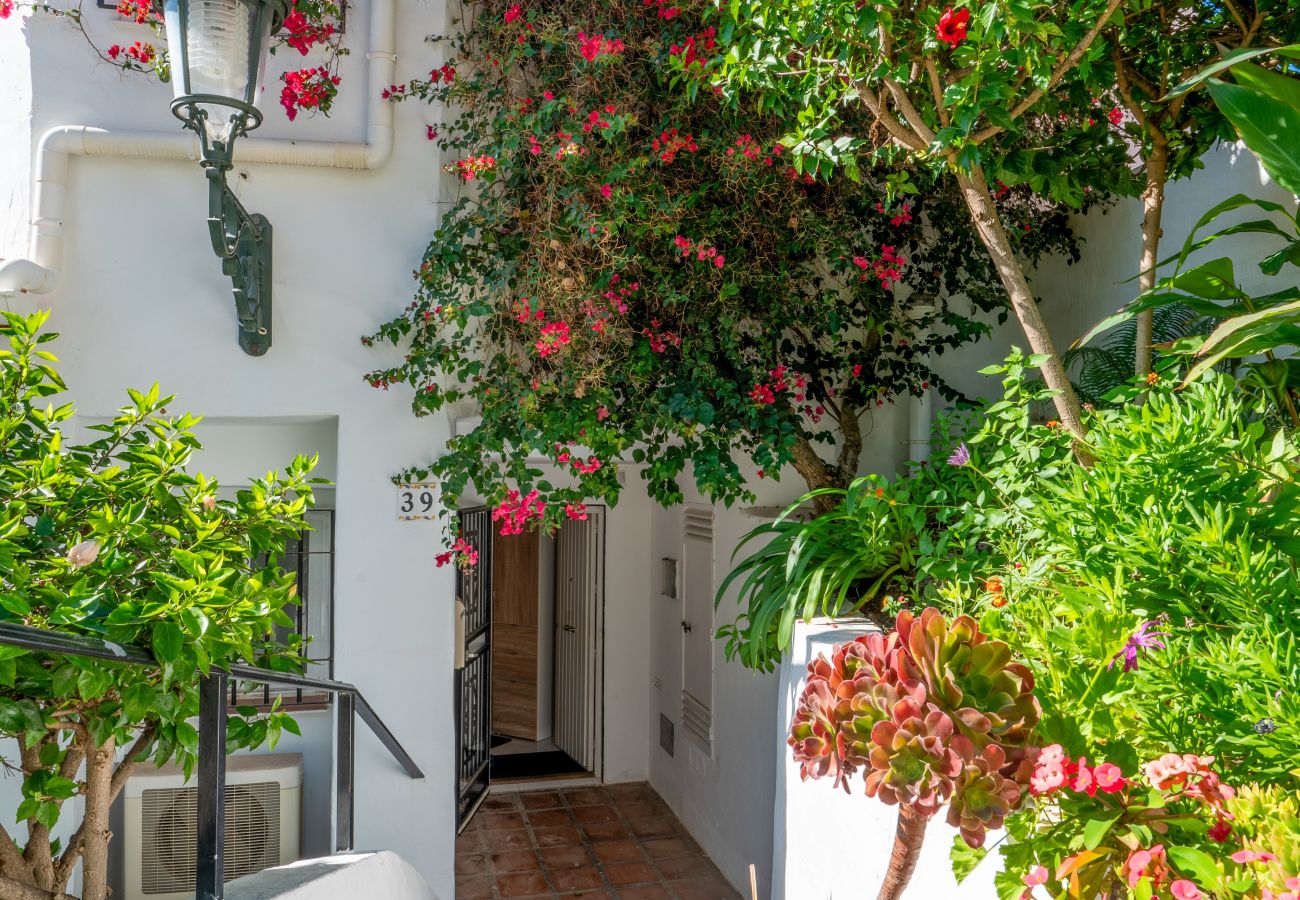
(908, 838)
(984, 212)
(816, 473)
(98, 797)
(1153, 203)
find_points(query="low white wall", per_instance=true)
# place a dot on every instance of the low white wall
(343, 877)
(829, 845)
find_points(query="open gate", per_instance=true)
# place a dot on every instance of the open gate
(473, 679)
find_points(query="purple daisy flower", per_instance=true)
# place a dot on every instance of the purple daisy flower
(1142, 639)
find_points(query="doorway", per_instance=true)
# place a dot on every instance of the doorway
(547, 632)
(529, 692)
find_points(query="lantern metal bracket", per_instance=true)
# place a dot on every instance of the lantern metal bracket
(241, 240)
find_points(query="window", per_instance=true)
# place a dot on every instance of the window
(310, 557)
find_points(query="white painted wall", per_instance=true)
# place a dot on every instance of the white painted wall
(342, 877)
(829, 845)
(15, 129)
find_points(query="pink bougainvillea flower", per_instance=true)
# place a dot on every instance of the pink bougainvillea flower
(6, 8)
(952, 26)
(1116, 115)
(1142, 639)
(606, 191)
(514, 12)
(1182, 889)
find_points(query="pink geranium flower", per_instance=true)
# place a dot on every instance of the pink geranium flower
(1182, 889)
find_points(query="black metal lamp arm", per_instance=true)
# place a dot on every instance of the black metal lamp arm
(241, 240)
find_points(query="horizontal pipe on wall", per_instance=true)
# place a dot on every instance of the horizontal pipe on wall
(39, 273)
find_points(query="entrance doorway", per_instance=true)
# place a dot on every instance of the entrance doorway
(529, 691)
(547, 611)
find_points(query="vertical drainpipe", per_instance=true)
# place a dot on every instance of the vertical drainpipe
(920, 411)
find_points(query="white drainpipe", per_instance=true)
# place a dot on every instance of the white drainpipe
(920, 414)
(39, 274)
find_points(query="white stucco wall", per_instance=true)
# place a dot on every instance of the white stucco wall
(829, 845)
(15, 138)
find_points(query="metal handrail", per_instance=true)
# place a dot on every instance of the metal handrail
(210, 849)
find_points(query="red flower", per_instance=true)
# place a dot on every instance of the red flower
(308, 89)
(6, 8)
(1220, 832)
(513, 13)
(113, 52)
(1115, 115)
(952, 26)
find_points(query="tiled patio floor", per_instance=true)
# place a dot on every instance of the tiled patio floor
(593, 842)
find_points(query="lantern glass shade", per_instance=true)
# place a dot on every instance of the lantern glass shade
(218, 53)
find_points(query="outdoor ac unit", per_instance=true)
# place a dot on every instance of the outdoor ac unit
(263, 824)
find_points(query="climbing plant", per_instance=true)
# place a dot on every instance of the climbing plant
(638, 268)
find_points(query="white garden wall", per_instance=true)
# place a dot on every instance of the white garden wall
(829, 845)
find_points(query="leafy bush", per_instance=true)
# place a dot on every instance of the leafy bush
(637, 267)
(112, 539)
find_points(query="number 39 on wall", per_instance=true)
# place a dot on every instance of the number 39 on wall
(417, 501)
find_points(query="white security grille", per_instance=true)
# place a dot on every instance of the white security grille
(170, 818)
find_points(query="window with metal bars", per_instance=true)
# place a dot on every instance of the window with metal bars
(310, 556)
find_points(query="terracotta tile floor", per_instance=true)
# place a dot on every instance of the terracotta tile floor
(594, 842)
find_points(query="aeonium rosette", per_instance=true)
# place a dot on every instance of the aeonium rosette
(934, 713)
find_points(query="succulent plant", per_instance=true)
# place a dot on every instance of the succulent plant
(983, 795)
(933, 712)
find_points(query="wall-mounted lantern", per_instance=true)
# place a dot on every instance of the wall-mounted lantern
(218, 53)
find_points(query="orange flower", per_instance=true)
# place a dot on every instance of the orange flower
(1153, 379)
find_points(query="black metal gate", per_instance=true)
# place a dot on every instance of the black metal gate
(473, 681)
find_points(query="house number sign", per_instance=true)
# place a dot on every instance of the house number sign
(416, 502)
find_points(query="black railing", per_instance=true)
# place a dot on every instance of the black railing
(213, 694)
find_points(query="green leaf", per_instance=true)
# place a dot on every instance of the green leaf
(167, 642)
(1095, 831)
(1267, 125)
(963, 857)
(1197, 863)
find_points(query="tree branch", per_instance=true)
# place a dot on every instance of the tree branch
(11, 858)
(1064, 65)
(895, 128)
(13, 889)
(936, 88)
(909, 110)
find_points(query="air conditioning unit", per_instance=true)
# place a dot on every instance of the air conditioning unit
(160, 813)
